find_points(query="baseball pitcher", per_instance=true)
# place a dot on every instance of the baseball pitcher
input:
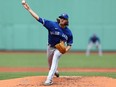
(60, 40)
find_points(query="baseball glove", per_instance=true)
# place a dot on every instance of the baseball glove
(61, 47)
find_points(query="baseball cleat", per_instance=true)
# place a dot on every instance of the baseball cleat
(57, 74)
(48, 83)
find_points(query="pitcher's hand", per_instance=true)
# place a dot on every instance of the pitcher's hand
(26, 6)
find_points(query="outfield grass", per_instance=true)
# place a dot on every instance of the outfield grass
(67, 60)
(23, 60)
(92, 61)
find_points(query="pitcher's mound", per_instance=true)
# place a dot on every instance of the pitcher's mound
(65, 81)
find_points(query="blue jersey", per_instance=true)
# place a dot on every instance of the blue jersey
(94, 39)
(56, 33)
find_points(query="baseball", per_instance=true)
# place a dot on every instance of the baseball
(23, 1)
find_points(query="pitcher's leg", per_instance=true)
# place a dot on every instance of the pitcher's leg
(54, 65)
(50, 52)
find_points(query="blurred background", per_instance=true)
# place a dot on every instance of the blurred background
(20, 31)
(25, 38)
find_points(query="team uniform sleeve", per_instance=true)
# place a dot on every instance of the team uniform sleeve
(41, 21)
(46, 23)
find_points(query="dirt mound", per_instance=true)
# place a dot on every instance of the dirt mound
(65, 81)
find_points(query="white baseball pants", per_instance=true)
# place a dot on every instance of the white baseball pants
(53, 56)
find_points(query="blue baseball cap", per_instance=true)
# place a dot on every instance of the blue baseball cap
(64, 16)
